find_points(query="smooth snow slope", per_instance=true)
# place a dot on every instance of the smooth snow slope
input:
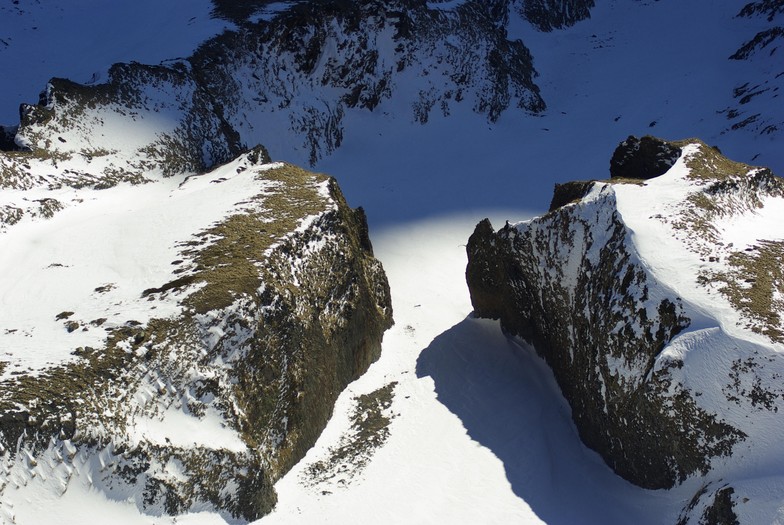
(482, 434)
(80, 39)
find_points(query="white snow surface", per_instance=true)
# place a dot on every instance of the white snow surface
(648, 212)
(95, 258)
(176, 428)
(481, 433)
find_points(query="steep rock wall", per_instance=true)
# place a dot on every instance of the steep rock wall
(650, 340)
(570, 284)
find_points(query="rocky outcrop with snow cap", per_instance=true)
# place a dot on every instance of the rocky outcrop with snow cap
(658, 305)
(179, 341)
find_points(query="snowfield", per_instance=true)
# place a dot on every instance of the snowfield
(93, 261)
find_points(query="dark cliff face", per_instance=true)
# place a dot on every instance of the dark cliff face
(295, 76)
(548, 15)
(7, 138)
(643, 158)
(573, 284)
(622, 408)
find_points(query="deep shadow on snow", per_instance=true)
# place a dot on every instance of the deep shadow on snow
(508, 401)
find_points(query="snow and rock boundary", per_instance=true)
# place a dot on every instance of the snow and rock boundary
(628, 289)
(188, 384)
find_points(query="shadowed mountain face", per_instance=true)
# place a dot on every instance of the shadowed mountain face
(316, 61)
(544, 14)
(292, 79)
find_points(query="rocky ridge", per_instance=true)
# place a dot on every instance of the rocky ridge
(248, 336)
(299, 72)
(658, 313)
(272, 304)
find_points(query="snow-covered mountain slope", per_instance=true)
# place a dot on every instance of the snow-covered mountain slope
(299, 75)
(752, 98)
(658, 305)
(632, 68)
(178, 344)
(289, 82)
(80, 39)
(631, 65)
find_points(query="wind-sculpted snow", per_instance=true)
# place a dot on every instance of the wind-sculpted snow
(180, 343)
(657, 305)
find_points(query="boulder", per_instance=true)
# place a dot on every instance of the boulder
(643, 158)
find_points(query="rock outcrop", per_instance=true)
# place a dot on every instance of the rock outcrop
(548, 15)
(643, 158)
(657, 304)
(295, 76)
(180, 342)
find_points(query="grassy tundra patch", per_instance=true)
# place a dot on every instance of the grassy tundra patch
(755, 286)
